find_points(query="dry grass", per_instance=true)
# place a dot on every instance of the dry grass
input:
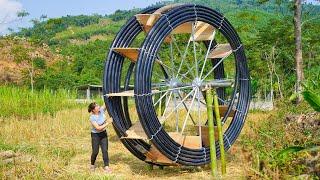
(60, 147)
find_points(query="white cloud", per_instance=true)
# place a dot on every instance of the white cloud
(8, 13)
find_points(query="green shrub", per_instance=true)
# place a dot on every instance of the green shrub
(21, 102)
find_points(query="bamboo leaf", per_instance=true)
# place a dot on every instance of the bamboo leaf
(312, 99)
(285, 152)
(292, 149)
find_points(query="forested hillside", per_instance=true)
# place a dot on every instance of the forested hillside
(78, 46)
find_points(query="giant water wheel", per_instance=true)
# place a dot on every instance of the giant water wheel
(156, 72)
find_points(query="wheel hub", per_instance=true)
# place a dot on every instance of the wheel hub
(174, 82)
(197, 82)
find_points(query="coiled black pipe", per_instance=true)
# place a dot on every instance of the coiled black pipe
(111, 83)
(144, 104)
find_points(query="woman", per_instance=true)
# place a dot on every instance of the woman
(98, 135)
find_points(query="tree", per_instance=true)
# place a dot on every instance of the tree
(298, 47)
(22, 14)
(297, 8)
(43, 17)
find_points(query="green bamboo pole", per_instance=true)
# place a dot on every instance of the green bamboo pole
(160, 108)
(213, 156)
(220, 135)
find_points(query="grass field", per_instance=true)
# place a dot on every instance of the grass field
(48, 136)
(59, 147)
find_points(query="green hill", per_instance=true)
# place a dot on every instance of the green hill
(82, 42)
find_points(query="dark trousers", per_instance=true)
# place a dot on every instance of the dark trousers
(100, 139)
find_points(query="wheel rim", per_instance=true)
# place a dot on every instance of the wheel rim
(147, 113)
(154, 71)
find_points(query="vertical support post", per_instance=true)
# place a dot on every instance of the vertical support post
(220, 135)
(213, 156)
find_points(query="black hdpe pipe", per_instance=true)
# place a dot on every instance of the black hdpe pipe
(111, 83)
(146, 59)
(120, 115)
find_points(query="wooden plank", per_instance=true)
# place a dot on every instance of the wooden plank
(129, 93)
(205, 130)
(153, 19)
(204, 32)
(223, 109)
(154, 155)
(205, 134)
(142, 18)
(221, 51)
(147, 20)
(202, 28)
(185, 28)
(130, 53)
(135, 132)
(192, 142)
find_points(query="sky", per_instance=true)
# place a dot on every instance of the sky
(58, 8)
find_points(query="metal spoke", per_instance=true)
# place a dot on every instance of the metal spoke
(184, 55)
(188, 113)
(194, 49)
(208, 50)
(166, 117)
(155, 87)
(185, 106)
(190, 70)
(202, 102)
(157, 75)
(171, 58)
(164, 73)
(165, 109)
(199, 113)
(225, 102)
(161, 98)
(214, 67)
(175, 43)
(172, 69)
(176, 111)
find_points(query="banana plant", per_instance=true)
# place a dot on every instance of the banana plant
(313, 99)
(312, 92)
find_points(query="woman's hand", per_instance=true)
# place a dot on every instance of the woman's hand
(99, 127)
(108, 121)
(103, 107)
